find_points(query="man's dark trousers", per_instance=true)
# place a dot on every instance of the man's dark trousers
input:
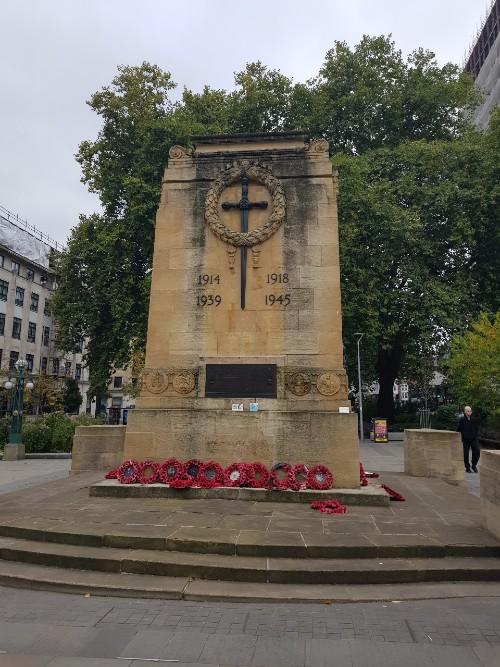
(468, 445)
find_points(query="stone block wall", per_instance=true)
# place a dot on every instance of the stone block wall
(490, 491)
(97, 448)
(434, 453)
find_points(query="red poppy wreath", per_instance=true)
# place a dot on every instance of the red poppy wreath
(236, 474)
(210, 475)
(170, 471)
(128, 471)
(280, 476)
(297, 478)
(148, 472)
(258, 475)
(319, 478)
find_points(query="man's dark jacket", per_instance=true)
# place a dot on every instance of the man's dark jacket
(467, 427)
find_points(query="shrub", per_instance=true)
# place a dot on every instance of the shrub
(4, 430)
(445, 418)
(36, 438)
(87, 420)
(62, 436)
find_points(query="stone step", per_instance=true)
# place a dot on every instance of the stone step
(250, 569)
(262, 544)
(371, 495)
(41, 577)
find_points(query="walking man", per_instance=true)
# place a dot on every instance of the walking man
(468, 430)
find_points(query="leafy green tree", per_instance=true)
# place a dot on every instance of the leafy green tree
(261, 100)
(474, 366)
(104, 274)
(407, 239)
(370, 96)
(72, 398)
(362, 99)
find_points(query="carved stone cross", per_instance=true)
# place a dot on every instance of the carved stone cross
(244, 206)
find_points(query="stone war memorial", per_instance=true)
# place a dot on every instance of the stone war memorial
(245, 308)
(244, 356)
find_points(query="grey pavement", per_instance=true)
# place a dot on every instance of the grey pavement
(389, 457)
(15, 475)
(42, 629)
(58, 630)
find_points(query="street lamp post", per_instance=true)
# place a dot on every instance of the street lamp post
(14, 449)
(360, 393)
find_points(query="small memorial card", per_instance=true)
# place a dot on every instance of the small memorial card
(344, 411)
(237, 407)
(254, 407)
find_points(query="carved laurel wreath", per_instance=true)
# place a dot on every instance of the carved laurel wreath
(256, 171)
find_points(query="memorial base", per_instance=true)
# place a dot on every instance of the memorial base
(268, 436)
(13, 452)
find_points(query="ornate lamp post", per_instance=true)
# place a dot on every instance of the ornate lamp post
(14, 449)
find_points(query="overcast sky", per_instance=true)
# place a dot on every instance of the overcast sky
(56, 53)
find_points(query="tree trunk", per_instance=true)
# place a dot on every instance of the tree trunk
(388, 364)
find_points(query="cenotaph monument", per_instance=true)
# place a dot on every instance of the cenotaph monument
(244, 356)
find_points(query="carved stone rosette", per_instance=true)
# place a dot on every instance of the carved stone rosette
(260, 173)
(179, 152)
(183, 381)
(329, 383)
(318, 146)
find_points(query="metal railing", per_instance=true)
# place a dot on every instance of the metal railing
(31, 229)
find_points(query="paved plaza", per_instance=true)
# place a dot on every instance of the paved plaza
(48, 629)
(57, 630)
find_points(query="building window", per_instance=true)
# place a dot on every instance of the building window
(30, 274)
(55, 366)
(16, 328)
(1, 357)
(19, 296)
(45, 337)
(2, 260)
(67, 368)
(79, 347)
(14, 356)
(4, 290)
(34, 302)
(16, 267)
(2, 324)
(117, 382)
(30, 358)
(31, 332)
(78, 372)
(43, 365)
(46, 307)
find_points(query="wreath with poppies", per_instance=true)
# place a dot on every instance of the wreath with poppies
(258, 476)
(211, 475)
(148, 472)
(170, 471)
(128, 471)
(185, 482)
(192, 469)
(329, 507)
(319, 478)
(112, 474)
(236, 474)
(280, 474)
(298, 477)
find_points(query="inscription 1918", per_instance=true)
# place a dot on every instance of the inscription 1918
(277, 278)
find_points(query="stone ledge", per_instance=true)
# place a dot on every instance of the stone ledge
(373, 494)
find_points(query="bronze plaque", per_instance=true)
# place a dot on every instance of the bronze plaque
(240, 381)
